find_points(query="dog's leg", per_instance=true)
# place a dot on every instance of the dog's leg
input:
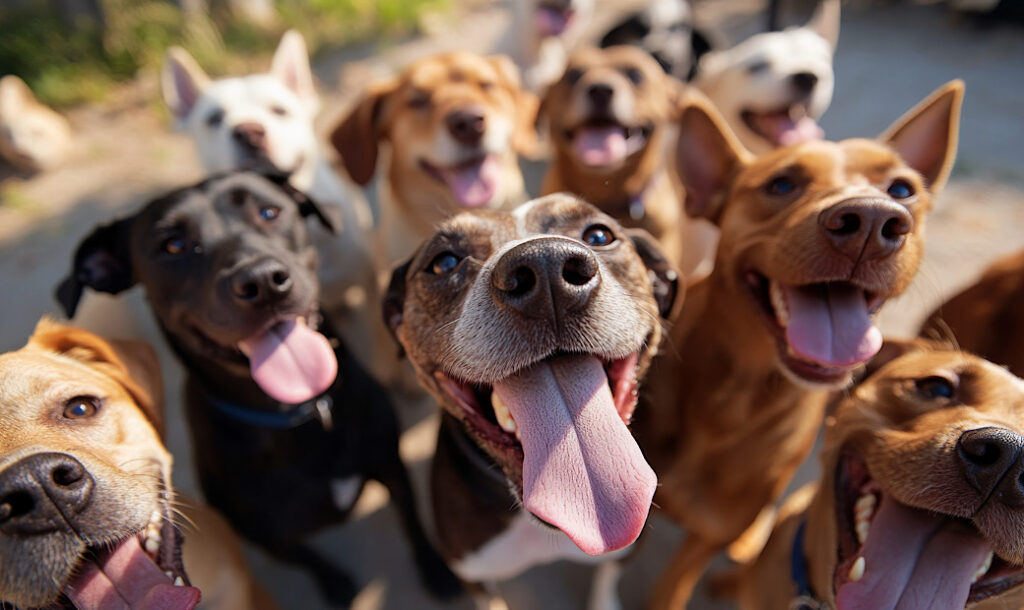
(604, 590)
(677, 582)
(334, 584)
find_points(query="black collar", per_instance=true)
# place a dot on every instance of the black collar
(290, 416)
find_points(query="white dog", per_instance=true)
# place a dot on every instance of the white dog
(772, 87)
(32, 136)
(265, 121)
(542, 34)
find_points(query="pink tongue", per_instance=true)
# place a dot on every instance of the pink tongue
(783, 131)
(582, 471)
(829, 324)
(550, 22)
(128, 578)
(474, 185)
(914, 560)
(291, 362)
(600, 146)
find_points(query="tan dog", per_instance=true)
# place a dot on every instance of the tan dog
(86, 509)
(984, 318)
(920, 486)
(32, 136)
(607, 117)
(454, 123)
(815, 238)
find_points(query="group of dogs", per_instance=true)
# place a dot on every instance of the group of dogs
(673, 321)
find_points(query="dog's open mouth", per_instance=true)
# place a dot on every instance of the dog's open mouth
(144, 570)
(824, 330)
(783, 126)
(474, 183)
(290, 360)
(552, 19)
(601, 143)
(565, 418)
(890, 553)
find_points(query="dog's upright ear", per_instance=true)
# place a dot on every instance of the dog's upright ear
(182, 82)
(15, 96)
(329, 215)
(132, 364)
(708, 155)
(524, 135)
(393, 305)
(291, 66)
(358, 135)
(102, 262)
(825, 22)
(665, 283)
(926, 136)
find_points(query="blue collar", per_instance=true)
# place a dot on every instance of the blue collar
(804, 599)
(295, 415)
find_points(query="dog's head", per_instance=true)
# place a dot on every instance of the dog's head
(261, 121)
(533, 328)
(608, 110)
(85, 482)
(32, 137)
(229, 273)
(774, 86)
(553, 18)
(815, 237)
(454, 123)
(922, 495)
(664, 28)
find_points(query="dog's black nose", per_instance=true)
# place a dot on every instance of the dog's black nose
(466, 126)
(993, 462)
(600, 94)
(546, 277)
(42, 493)
(804, 82)
(250, 135)
(866, 228)
(261, 283)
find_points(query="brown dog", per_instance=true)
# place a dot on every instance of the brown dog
(921, 503)
(815, 238)
(454, 123)
(86, 514)
(984, 318)
(532, 329)
(607, 117)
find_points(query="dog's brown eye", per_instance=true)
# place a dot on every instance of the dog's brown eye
(81, 406)
(486, 85)
(598, 235)
(900, 189)
(780, 186)
(270, 212)
(174, 246)
(635, 76)
(573, 75)
(214, 118)
(935, 387)
(444, 263)
(279, 110)
(419, 102)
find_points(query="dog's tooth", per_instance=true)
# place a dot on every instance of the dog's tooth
(862, 528)
(779, 304)
(502, 414)
(152, 546)
(983, 568)
(857, 569)
(179, 582)
(169, 574)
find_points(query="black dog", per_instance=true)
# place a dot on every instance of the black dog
(282, 444)
(664, 28)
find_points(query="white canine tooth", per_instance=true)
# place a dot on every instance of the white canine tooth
(152, 545)
(983, 568)
(863, 509)
(862, 531)
(857, 570)
(501, 414)
(779, 303)
(169, 574)
(179, 582)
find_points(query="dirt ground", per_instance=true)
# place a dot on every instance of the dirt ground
(889, 57)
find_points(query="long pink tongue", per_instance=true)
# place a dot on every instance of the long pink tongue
(128, 578)
(582, 471)
(291, 362)
(474, 185)
(830, 324)
(784, 131)
(600, 146)
(914, 560)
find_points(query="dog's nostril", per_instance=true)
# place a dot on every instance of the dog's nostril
(15, 505)
(521, 281)
(600, 93)
(844, 224)
(66, 475)
(280, 278)
(247, 290)
(895, 228)
(804, 81)
(981, 454)
(578, 271)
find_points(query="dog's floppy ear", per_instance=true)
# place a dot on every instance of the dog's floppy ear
(825, 22)
(182, 82)
(393, 304)
(329, 215)
(102, 262)
(291, 66)
(132, 364)
(708, 155)
(926, 136)
(524, 135)
(664, 279)
(357, 137)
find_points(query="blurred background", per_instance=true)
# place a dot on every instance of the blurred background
(97, 62)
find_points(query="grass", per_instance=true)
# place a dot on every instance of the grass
(68, 65)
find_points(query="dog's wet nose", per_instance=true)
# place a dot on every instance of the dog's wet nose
(466, 126)
(600, 94)
(804, 82)
(261, 283)
(42, 492)
(250, 135)
(993, 462)
(866, 228)
(543, 278)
